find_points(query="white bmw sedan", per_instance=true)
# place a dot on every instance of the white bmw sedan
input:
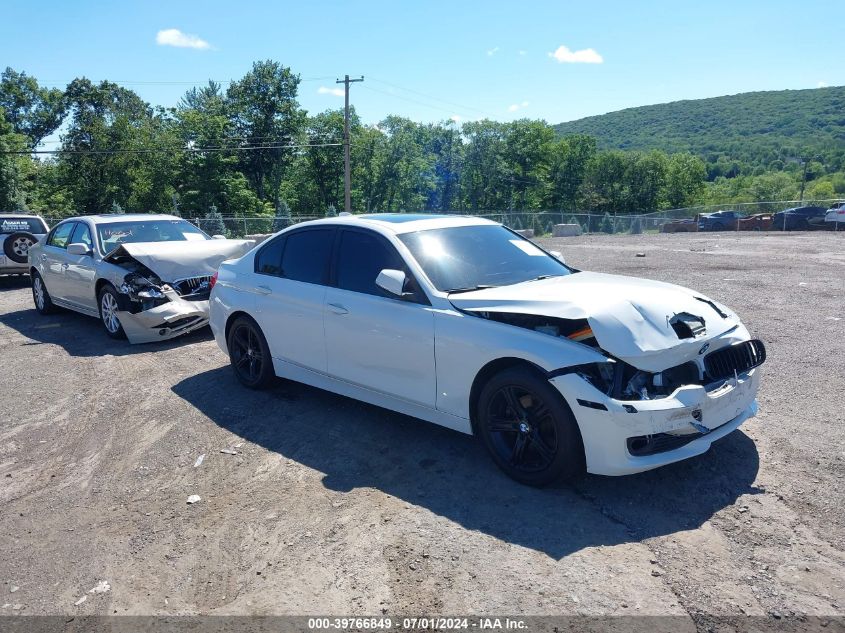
(462, 322)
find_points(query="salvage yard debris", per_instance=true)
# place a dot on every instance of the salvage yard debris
(194, 499)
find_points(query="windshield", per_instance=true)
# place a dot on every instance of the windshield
(30, 225)
(470, 257)
(115, 233)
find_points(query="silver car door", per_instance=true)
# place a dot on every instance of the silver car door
(81, 271)
(53, 263)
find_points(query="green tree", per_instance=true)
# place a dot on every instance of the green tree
(607, 225)
(527, 145)
(685, 178)
(266, 115)
(213, 223)
(282, 219)
(569, 160)
(33, 111)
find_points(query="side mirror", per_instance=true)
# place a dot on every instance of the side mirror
(218, 237)
(557, 255)
(393, 281)
(78, 248)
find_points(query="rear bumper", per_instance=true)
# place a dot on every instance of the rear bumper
(10, 267)
(689, 411)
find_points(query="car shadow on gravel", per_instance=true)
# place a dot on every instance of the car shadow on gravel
(84, 336)
(357, 445)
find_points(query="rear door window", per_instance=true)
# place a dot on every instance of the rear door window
(269, 258)
(60, 237)
(306, 255)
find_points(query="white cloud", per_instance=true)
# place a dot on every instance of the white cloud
(456, 118)
(517, 106)
(175, 37)
(337, 92)
(585, 56)
(823, 84)
(492, 51)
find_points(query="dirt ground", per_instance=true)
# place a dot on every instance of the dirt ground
(331, 506)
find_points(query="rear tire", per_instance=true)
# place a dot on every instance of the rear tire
(528, 428)
(249, 354)
(110, 304)
(40, 296)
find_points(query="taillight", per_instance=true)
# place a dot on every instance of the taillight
(213, 281)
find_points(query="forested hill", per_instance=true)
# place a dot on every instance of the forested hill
(756, 128)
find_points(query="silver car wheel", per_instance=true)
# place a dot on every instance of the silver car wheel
(38, 286)
(108, 310)
(21, 246)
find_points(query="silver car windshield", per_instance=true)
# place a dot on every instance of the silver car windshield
(113, 234)
(468, 258)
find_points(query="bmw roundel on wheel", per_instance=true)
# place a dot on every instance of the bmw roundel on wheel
(462, 322)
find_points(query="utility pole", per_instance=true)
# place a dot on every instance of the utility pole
(347, 177)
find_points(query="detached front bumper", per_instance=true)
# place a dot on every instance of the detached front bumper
(626, 437)
(167, 321)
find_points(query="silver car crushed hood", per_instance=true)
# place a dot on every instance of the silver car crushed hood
(630, 317)
(180, 260)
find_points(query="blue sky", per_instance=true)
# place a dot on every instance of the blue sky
(434, 60)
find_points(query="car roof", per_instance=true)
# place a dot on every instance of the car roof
(106, 218)
(399, 223)
(19, 215)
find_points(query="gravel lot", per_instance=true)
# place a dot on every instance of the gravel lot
(331, 506)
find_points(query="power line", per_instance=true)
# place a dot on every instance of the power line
(153, 150)
(427, 96)
(410, 100)
(140, 82)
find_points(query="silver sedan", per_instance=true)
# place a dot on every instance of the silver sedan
(147, 277)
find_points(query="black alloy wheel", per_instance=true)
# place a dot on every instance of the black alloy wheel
(249, 354)
(528, 428)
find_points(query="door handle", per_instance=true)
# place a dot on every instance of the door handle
(263, 290)
(338, 309)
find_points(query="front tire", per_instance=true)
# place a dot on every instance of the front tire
(249, 354)
(110, 304)
(528, 428)
(43, 303)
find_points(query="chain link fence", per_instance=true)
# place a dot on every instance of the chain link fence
(541, 222)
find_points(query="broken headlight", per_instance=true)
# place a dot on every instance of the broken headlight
(599, 375)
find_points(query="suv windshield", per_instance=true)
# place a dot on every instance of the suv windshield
(473, 257)
(113, 234)
(30, 225)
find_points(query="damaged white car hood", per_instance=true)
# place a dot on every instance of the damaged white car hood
(630, 317)
(180, 260)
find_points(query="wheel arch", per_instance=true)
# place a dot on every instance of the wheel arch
(234, 317)
(98, 286)
(488, 371)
